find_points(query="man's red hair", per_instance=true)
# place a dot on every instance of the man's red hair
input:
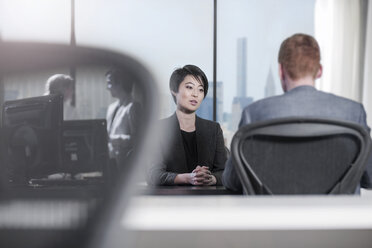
(300, 56)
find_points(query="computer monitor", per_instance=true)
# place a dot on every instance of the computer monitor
(84, 146)
(32, 129)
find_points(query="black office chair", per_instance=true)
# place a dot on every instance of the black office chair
(300, 156)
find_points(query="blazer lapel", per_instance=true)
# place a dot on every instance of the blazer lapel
(203, 142)
(179, 151)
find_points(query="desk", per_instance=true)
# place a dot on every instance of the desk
(184, 190)
(57, 192)
(260, 221)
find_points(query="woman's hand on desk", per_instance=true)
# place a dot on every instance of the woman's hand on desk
(199, 176)
(189, 178)
(204, 171)
(211, 181)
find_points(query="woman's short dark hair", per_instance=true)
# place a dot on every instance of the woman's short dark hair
(122, 78)
(179, 75)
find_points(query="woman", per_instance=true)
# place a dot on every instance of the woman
(195, 153)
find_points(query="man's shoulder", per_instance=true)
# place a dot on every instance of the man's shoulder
(339, 99)
(268, 101)
(291, 97)
(304, 101)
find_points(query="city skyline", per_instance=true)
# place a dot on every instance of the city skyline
(254, 20)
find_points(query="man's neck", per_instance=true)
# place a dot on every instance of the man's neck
(186, 120)
(305, 81)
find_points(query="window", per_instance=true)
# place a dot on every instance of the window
(163, 34)
(249, 34)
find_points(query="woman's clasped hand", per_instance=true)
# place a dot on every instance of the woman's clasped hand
(201, 175)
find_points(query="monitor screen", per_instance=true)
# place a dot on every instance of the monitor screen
(32, 129)
(84, 146)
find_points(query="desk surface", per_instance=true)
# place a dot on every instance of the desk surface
(184, 190)
(261, 221)
(241, 212)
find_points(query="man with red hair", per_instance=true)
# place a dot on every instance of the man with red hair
(299, 67)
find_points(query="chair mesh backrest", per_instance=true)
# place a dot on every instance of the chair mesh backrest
(295, 165)
(300, 156)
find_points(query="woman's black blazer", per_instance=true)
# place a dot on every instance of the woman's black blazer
(172, 160)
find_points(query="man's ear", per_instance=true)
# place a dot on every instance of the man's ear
(320, 72)
(173, 93)
(281, 72)
(282, 78)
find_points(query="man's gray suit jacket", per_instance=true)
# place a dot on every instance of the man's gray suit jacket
(300, 101)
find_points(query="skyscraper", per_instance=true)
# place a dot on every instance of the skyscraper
(270, 84)
(242, 67)
(241, 100)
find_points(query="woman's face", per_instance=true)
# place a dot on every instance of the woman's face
(190, 94)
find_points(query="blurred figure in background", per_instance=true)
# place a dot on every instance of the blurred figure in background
(63, 84)
(122, 116)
